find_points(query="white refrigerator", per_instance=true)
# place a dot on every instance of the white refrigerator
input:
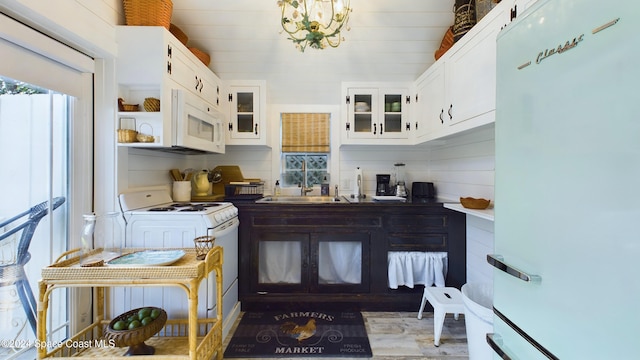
(567, 188)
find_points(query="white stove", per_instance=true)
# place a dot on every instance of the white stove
(154, 220)
(158, 204)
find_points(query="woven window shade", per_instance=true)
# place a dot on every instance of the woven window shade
(305, 132)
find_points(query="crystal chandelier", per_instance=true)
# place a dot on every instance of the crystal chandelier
(315, 23)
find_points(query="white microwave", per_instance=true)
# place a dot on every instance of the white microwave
(196, 124)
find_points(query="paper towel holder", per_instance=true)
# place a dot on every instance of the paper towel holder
(357, 193)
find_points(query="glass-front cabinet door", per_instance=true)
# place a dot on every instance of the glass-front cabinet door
(340, 262)
(244, 116)
(311, 262)
(394, 110)
(247, 112)
(282, 261)
(362, 122)
(377, 113)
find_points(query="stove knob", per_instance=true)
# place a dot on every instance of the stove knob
(218, 217)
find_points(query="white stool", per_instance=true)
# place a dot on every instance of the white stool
(444, 300)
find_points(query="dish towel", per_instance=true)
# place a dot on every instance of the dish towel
(408, 268)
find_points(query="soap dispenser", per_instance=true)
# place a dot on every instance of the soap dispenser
(324, 187)
(276, 188)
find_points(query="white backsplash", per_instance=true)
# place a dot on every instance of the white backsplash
(460, 166)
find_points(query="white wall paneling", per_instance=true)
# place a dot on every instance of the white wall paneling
(479, 244)
(464, 165)
(374, 160)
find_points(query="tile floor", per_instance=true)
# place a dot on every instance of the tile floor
(395, 336)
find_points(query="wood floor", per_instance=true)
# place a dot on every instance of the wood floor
(395, 336)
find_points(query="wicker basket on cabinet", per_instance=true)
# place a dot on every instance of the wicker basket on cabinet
(203, 56)
(148, 12)
(179, 34)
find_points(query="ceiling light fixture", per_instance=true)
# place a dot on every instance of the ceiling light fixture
(315, 23)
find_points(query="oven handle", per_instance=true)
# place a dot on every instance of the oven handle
(224, 229)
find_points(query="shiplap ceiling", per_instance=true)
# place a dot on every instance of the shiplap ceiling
(389, 40)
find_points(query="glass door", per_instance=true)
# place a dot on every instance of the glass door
(46, 152)
(244, 117)
(340, 262)
(362, 114)
(395, 120)
(34, 124)
(282, 261)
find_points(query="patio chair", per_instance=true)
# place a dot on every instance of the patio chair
(13, 273)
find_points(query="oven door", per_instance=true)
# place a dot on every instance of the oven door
(226, 236)
(196, 124)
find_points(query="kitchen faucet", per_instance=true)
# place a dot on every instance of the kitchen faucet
(303, 187)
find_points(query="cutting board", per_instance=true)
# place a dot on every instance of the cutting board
(213, 197)
(229, 173)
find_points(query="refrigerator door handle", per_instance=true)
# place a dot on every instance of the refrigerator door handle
(497, 339)
(494, 341)
(497, 261)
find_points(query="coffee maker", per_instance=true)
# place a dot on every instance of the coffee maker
(383, 187)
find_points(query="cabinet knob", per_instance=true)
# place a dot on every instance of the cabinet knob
(256, 129)
(348, 126)
(449, 112)
(375, 129)
(408, 126)
(230, 126)
(441, 113)
(380, 128)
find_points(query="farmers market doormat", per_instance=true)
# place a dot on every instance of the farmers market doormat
(299, 334)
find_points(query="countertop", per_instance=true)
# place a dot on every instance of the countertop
(369, 200)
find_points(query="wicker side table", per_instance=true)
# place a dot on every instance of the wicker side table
(190, 338)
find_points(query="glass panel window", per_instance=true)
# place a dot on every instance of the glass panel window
(34, 153)
(316, 168)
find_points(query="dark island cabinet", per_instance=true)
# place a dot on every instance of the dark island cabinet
(335, 256)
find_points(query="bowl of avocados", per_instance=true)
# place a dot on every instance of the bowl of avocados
(135, 326)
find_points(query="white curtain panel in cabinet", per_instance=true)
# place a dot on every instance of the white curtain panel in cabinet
(339, 262)
(408, 268)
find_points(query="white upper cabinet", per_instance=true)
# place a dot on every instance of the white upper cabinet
(470, 73)
(375, 114)
(247, 113)
(429, 102)
(457, 93)
(152, 63)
